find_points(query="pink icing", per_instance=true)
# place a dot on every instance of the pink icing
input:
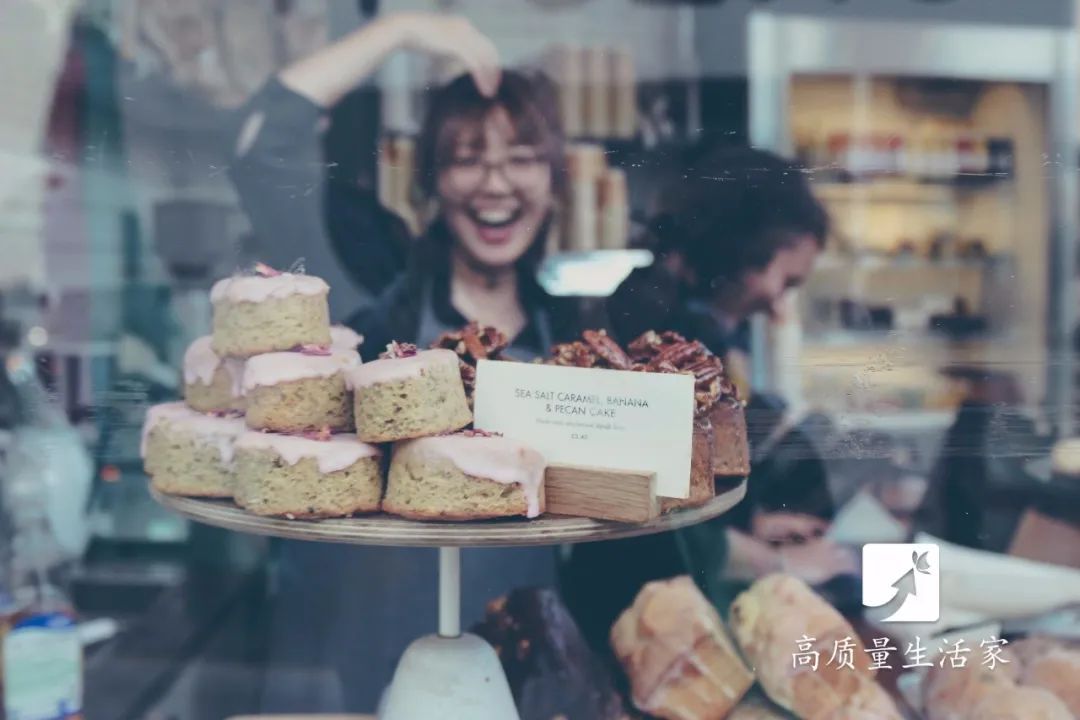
(394, 369)
(279, 367)
(494, 458)
(344, 338)
(255, 288)
(337, 453)
(201, 362)
(218, 431)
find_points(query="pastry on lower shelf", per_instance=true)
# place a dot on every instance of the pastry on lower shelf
(1065, 459)
(771, 619)
(1037, 679)
(296, 392)
(188, 453)
(299, 477)
(343, 337)
(1051, 665)
(1019, 703)
(269, 312)
(212, 383)
(977, 692)
(552, 671)
(755, 708)
(702, 480)
(464, 476)
(408, 394)
(681, 663)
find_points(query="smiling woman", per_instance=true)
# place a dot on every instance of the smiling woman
(490, 162)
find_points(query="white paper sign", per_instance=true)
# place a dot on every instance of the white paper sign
(596, 418)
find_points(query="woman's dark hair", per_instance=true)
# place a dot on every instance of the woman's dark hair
(732, 210)
(457, 110)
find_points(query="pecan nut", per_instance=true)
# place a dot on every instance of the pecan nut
(607, 349)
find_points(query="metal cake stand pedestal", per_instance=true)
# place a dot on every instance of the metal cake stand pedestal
(450, 675)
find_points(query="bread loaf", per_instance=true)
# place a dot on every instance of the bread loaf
(978, 692)
(757, 709)
(1059, 672)
(769, 620)
(681, 663)
(1051, 665)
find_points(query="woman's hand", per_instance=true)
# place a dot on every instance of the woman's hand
(817, 561)
(454, 37)
(326, 76)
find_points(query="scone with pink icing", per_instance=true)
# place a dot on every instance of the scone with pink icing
(299, 392)
(343, 337)
(188, 453)
(299, 477)
(465, 476)
(212, 383)
(268, 312)
(408, 394)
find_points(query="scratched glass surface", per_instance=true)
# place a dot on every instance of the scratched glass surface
(857, 217)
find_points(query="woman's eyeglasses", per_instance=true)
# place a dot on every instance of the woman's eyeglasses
(468, 173)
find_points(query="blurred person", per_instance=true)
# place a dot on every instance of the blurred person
(736, 231)
(491, 167)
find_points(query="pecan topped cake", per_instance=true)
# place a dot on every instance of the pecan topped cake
(715, 396)
(720, 443)
(670, 352)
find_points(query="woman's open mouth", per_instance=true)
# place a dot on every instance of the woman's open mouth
(495, 226)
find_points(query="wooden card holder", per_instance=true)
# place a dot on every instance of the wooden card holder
(601, 493)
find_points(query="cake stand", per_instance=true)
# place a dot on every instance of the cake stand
(450, 675)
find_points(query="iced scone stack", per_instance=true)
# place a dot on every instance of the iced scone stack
(266, 405)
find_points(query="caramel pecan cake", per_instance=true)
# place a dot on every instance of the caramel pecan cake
(720, 445)
(716, 397)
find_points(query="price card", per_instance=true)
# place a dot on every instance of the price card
(600, 418)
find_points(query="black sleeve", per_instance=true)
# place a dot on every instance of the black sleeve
(646, 300)
(280, 176)
(395, 315)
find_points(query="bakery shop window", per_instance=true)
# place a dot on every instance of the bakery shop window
(555, 338)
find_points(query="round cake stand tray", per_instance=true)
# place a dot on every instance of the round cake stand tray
(383, 529)
(451, 675)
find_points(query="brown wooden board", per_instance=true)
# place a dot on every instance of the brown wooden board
(601, 494)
